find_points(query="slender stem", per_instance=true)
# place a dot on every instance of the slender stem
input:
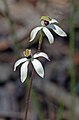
(11, 25)
(61, 110)
(72, 52)
(28, 95)
(31, 79)
(40, 41)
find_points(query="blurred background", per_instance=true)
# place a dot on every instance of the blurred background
(56, 97)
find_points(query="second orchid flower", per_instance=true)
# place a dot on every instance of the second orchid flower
(46, 24)
(29, 58)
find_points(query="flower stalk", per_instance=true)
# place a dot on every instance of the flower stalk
(31, 79)
(28, 95)
(40, 41)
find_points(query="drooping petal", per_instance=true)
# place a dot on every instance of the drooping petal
(18, 62)
(57, 30)
(38, 67)
(48, 34)
(41, 54)
(53, 21)
(34, 32)
(24, 69)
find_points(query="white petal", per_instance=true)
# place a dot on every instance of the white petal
(19, 62)
(24, 69)
(34, 32)
(38, 67)
(59, 31)
(53, 21)
(48, 34)
(41, 54)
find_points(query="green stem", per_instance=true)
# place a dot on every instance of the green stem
(40, 41)
(11, 24)
(72, 53)
(61, 110)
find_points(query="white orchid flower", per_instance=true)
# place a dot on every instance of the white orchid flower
(46, 24)
(35, 62)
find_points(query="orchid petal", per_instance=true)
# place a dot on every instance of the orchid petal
(53, 21)
(38, 67)
(34, 32)
(41, 54)
(24, 69)
(18, 62)
(48, 34)
(57, 30)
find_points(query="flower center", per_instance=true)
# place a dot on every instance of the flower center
(44, 22)
(27, 53)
